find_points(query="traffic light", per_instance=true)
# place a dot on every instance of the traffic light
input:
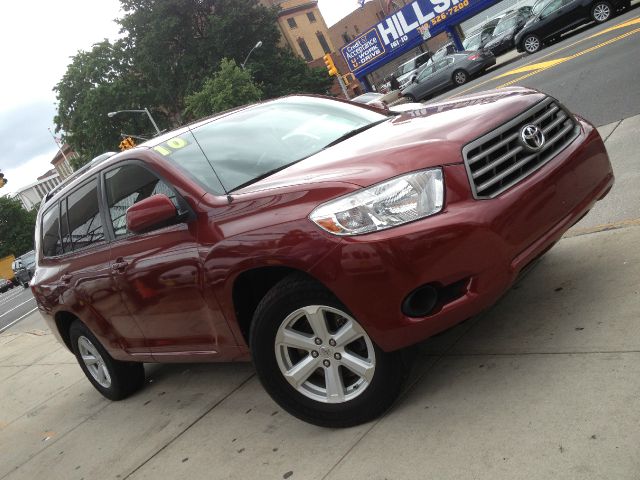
(331, 67)
(127, 143)
(3, 181)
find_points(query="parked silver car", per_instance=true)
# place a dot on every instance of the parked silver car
(408, 70)
(453, 70)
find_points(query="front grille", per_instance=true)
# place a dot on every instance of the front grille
(498, 160)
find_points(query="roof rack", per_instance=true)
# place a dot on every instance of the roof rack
(92, 163)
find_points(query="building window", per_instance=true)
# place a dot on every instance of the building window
(346, 37)
(355, 27)
(311, 17)
(292, 22)
(323, 42)
(305, 50)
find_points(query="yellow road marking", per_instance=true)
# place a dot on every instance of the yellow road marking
(628, 23)
(571, 57)
(533, 66)
(623, 24)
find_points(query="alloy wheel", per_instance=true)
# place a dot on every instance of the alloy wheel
(601, 12)
(94, 362)
(460, 78)
(531, 44)
(325, 354)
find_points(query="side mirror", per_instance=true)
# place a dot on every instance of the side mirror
(151, 212)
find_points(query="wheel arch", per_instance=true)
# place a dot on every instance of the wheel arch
(250, 287)
(63, 321)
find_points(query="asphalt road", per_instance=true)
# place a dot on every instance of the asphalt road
(15, 304)
(594, 71)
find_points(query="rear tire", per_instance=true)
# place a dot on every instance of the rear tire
(335, 375)
(601, 12)
(114, 379)
(460, 77)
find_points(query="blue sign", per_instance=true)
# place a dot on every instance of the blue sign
(363, 50)
(405, 29)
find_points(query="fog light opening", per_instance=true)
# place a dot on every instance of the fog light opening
(420, 302)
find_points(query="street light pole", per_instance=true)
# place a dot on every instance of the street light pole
(257, 45)
(145, 110)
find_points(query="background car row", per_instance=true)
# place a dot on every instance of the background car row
(527, 28)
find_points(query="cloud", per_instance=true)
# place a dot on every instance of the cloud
(24, 135)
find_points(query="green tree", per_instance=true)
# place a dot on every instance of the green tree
(229, 87)
(16, 227)
(168, 51)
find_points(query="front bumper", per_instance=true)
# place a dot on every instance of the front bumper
(481, 245)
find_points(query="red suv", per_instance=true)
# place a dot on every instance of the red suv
(314, 236)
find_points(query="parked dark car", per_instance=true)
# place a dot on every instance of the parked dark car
(315, 236)
(24, 267)
(551, 18)
(476, 41)
(504, 34)
(5, 285)
(452, 70)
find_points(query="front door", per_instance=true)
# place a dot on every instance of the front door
(159, 273)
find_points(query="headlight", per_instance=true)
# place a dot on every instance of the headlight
(385, 205)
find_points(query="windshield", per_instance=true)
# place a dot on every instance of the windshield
(237, 149)
(406, 68)
(505, 24)
(472, 43)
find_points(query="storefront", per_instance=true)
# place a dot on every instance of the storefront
(407, 29)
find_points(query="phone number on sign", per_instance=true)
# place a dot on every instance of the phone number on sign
(453, 9)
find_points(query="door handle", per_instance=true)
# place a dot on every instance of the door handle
(119, 266)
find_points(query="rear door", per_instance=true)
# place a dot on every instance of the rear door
(83, 284)
(159, 273)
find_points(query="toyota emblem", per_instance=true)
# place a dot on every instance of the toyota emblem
(532, 137)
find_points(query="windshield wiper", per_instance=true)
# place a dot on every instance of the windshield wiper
(351, 133)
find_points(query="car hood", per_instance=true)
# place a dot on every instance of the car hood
(422, 138)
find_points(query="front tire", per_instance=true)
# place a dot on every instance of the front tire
(601, 12)
(531, 44)
(410, 97)
(114, 379)
(315, 359)
(460, 77)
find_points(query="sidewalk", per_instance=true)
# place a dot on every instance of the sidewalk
(542, 386)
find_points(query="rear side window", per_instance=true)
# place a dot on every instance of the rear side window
(127, 185)
(84, 226)
(51, 244)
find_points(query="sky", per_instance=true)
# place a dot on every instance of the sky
(35, 55)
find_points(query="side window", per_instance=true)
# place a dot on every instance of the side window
(127, 185)
(425, 73)
(550, 8)
(84, 226)
(51, 244)
(441, 64)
